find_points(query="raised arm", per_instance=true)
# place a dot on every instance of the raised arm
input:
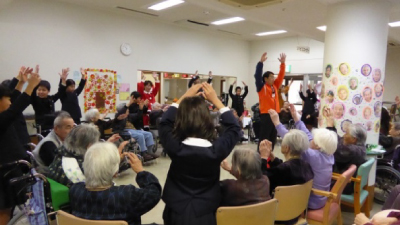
(209, 77)
(246, 90)
(8, 116)
(82, 84)
(258, 73)
(140, 85)
(142, 199)
(281, 130)
(62, 86)
(279, 80)
(231, 89)
(229, 138)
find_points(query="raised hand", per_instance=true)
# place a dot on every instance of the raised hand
(294, 113)
(282, 58)
(135, 162)
(210, 74)
(263, 57)
(274, 117)
(146, 102)
(83, 73)
(244, 83)
(265, 149)
(291, 82)
(64, 74)
(196, 73)
(121, 148)
(104, 114)
(234, 82)
(226, 166)
(114, 138)
(330, 121)
(143, 77)
(33, 81)
(301, 87)
(122, 116)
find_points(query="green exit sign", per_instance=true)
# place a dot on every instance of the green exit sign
(288, 69)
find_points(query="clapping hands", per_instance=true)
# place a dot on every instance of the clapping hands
(266, 150)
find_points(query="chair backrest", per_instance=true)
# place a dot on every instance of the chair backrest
(257, 214)
(293, 200)
(64, 218)
(343, 181)
(364, 170)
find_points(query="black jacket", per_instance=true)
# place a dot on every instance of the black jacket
(136, 115)
(193, 177)
(237, 100)
(70, 103)
(44, 107)
(11, 147)
(20, 123)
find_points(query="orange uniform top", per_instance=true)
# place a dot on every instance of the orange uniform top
(268, 100)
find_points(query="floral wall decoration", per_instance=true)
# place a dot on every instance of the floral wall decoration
(100, 90)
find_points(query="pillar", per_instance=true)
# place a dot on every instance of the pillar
(354, 64)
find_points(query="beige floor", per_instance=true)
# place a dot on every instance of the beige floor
(160, 169)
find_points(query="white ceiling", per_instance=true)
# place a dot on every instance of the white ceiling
(298, 17)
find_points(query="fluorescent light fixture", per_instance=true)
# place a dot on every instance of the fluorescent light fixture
(271, 32)
(165, 4)
(395, 24)
(323, 28)
(229, 20)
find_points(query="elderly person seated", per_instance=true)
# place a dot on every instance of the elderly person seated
(351, 148)
(144, 138)
(323, 144)
(246, 167)
(392, 141)
(67, 167)
(91, 199)
(294, 170)
(94, 116)
(46, 149)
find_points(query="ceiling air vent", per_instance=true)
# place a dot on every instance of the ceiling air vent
(198, 23)
(228, 32)
(251, 3)
(136, 11)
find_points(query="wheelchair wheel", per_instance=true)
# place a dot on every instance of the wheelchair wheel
(386, 179)
(155, 146)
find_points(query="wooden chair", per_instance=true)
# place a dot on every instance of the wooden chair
(293, 201)
(360, 195)
(331, 210)
(64, 218)
(258, 214)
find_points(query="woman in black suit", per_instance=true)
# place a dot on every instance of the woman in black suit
(192, 191)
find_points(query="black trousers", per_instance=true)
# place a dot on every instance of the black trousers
(267, 130)
(256, 128)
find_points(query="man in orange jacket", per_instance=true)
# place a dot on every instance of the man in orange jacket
(267, 88)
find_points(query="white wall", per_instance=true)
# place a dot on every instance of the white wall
(392, 78)
(301, 62)
(58, 35)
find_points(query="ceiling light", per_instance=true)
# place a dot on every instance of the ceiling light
(229, 20)
(323, 28)
(165, 4)
(395, 24)
(271, 32)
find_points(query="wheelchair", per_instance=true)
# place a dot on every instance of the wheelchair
(387, 176)
(23, 186)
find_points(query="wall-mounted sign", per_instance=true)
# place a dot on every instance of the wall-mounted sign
(305, 49)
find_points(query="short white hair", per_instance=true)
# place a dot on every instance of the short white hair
(59, 120)
(101, 163)
(325, 139)
(297, 141)
(91, 114)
